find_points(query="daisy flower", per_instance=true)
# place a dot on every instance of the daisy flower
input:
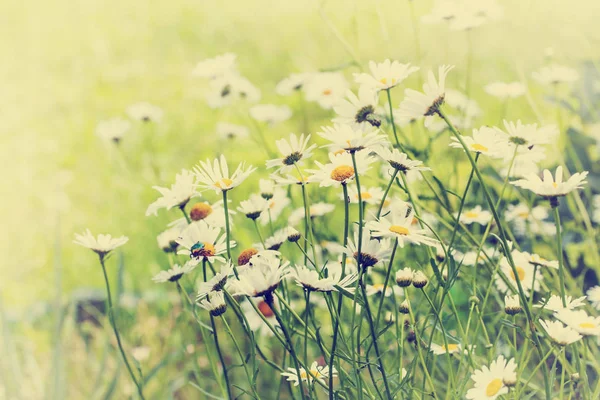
(486, 141)
(559, 333)
(320, 373)
(178, 195)
(593, 295)
(212, 214)
(270, 113)
(216, 175)
(291, 84)
(340, 169)
(522, 219)
(552, 187)
(372, 195)
(524, 273)
(420, 280)
(346, 138)
(404, 277)
(555, 74)
(536, 259)
(475, 215)
(490, 381)
(503, 90)
(326, 88)
(216, 283)
(384, 75)
(214, 67)
(554, 303)
(275, 206)
(253, 207)
(102, 244)
(260, 280)
(442, 349)
(266, 188)
(398, 224)
(167, 240)
(399, 161)
(174, 273)
(202, 242)
(230, 87)
(580, 321)
(527, 135)
(232, 131)
(275, 241)
(426, 103)
(288, 179)
(377, 289)
(113, 129)
(316, 210)
(293, 151)
(358, 110)
(512, 304)
(145, 112)
(214, 303)
(372, 251)
(310, 280)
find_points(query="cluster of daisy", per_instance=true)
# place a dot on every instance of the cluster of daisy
(114, 129)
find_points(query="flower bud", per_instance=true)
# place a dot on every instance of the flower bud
(512, 306)
(404, 277)
(420, 280)
(404, 307)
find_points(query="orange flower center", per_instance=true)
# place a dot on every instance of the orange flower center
(246, 255)
(342, 173)
(200, 211)
(327, 92)
(265, 310)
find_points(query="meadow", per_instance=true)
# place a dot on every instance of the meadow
(322, 199)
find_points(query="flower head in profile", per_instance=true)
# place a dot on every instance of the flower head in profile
(372, 250)
(554, 303)
(552, 187)
(525, 273)
(310, 280)
(512, 304)
(486, 141)
(270, 113)
(316, 371)
(231, 87)
(426, 103)
(384, 75)
(340, 169)
(559, 333)
(346, 138)
(102, 244)
(294, 152)
(475, 215)
(232, 131)
(174, 273)
(261, 279)
(145, 112)
(216, 283)
(178, 195)
(292, 83)
(555, 74)
(216, 175)
(398, 224)
(358, 110)
(113, 129)
(527, 135)
(526, 219)
(580, 321)
(504, 90)
(217, 66)
(253, 207)
(202, 242)
(326, 88)
(369, 195)
(442, 349)
(493, 381)
(167, 239)
(399, 161)
(214, 303)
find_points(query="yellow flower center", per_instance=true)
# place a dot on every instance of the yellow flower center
(378, 287)
(554, 185)
(520, 273)
(342, 173)
(246, 255)
(478, 147)
(587, 325)
(383, 81)
(200, 211)
(493, 387)
(386, 203)
(366, 196)
(207, 250)
(326, 92)
(471, 214)
(523, 214)
(223, 183)
(451, 347)
(399, 230)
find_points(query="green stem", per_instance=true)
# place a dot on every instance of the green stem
(559, 250)
(386, 193)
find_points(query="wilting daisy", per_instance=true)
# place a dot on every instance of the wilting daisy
(384, 75)
(202, 242)
(260, 280)
(552, 187)
(217, 66)
(253, 207)
(560, 334)
(216, 175)
(178, 195)
(524, 273)
(398, 224)
(372, 251)
(475, 215)
(399, 161)
(358, 110)
(113, 129)
(490, 381)
(316, 371)
(102, 244)
(145, 112)
(349, 139)
(486, 141)
(232, 131)
(294, 152)
(512, 304)
(214, 303)
(270, 113)
(340, 169)
(524, 218)
(555, 74)
(593, 295)
(580, 321)
(426, 103)
(326, 88)
(291, 84)
(504, 90)
(216, 283)
(310, 280)
(174, 273)
(554, 303)
(275, 206)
